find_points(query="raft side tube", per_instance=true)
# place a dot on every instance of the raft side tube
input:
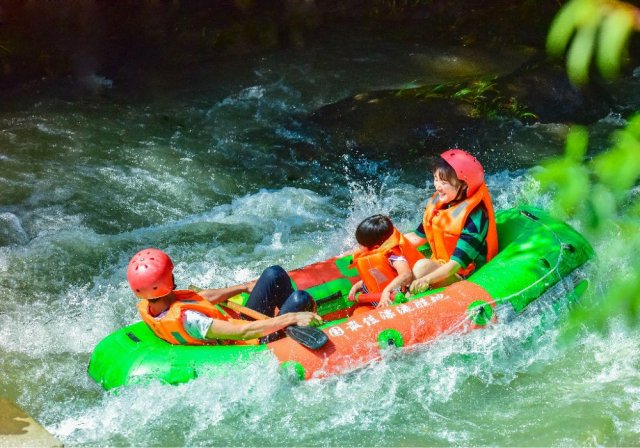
(359, 339)
(537, 251)
(149, 358)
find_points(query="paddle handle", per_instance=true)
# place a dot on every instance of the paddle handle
(245, 310)
(236, 307)
(310, 337)
(368, 297)
(372, 297)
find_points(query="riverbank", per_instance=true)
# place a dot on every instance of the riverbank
(19, 429)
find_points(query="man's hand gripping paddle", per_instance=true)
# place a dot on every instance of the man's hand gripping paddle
(310, 337)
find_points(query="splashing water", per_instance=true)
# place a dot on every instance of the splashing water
(210, 174)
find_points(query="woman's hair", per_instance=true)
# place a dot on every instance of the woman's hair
(446, 172)
(374, 230)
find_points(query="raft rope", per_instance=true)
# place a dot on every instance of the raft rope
(563, 247)
(503, 301)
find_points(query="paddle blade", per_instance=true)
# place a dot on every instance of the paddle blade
(310, 337)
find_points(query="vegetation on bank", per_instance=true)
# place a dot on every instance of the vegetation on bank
(484, 97)
(76, 39)
(602, 192)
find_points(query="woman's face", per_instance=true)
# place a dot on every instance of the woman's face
(447, 191)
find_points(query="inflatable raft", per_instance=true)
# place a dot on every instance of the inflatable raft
(535, 253)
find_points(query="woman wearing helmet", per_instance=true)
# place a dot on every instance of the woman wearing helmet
(458, 223)
(190, 318)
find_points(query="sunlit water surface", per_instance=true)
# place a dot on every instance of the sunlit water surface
(203, 167)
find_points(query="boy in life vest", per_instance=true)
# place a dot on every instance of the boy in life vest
(189, 318)
(385, 260)
(458, 223)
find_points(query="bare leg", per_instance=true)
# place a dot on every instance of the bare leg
(424, 267)
(447, 281)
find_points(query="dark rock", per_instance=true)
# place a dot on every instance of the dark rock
(11, 231)
(414, 125)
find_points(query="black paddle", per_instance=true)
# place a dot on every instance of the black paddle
(310, 337)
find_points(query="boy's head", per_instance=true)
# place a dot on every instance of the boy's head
(374, 231)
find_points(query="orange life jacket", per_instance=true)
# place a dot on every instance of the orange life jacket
(169, 327)
(443, 225)
(373, 265)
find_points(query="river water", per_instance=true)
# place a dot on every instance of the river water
(199, 163)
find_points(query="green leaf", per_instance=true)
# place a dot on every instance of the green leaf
(570, 17)
(619, 167)
(614, 34)
(577, 142)
(603, 206)
(462, 93)
(580, 53)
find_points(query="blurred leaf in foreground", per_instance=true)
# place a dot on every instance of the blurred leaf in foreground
(602, 195)
(588, 29)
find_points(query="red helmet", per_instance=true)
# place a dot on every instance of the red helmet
(467, 168)
(150, 274)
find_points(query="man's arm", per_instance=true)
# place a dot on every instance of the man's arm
(216, 296)
(221, 329)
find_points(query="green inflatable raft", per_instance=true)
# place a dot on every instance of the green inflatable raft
(536, 252)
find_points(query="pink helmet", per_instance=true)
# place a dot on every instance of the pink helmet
(467, 168)
(150, 274)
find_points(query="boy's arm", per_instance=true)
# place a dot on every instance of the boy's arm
(354, 289)
(404, 277)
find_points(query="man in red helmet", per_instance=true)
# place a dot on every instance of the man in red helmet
(189, 318)
(458, 223)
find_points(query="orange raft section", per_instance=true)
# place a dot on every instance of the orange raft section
(460, 307)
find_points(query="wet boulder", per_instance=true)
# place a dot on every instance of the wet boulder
(484, 115)
(11, 231)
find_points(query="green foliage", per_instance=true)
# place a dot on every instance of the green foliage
(588, 29)
(567, 175)
(600, 188)
(482, 95)
(600, 194)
